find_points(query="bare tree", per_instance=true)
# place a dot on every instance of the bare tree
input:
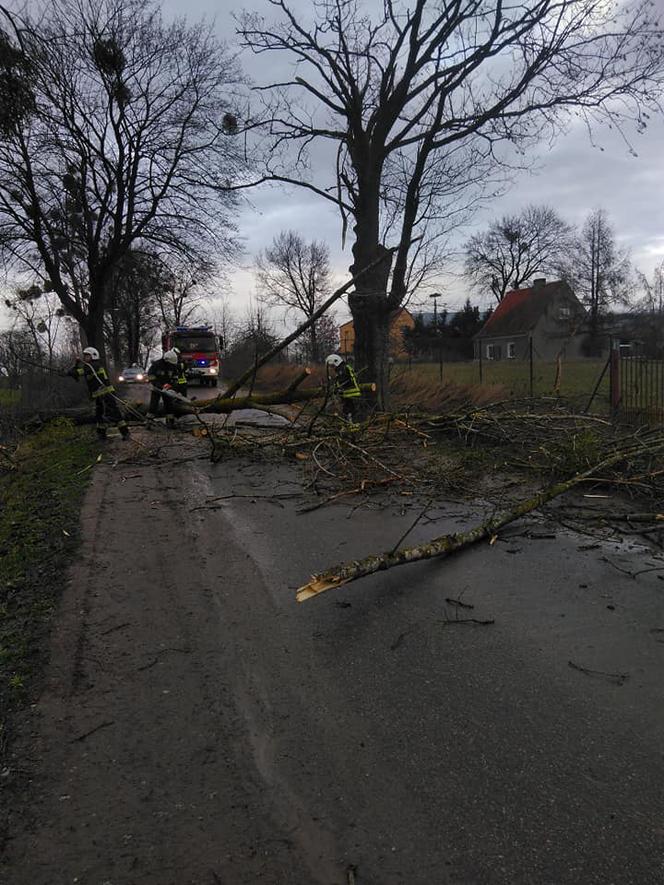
(16, 94)
(516, 247)
(131, 317)
(41, 316)
(185, 286)
(598, 271)
(294, 274)
(653, 291)
(418, 100)
(219, 315)
(125, 138)
(18, 352)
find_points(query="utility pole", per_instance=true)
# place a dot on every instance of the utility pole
(436, 296)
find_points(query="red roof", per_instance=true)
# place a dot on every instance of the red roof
(520, 310)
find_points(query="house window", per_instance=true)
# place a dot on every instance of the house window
(511, 350)
(493, 351)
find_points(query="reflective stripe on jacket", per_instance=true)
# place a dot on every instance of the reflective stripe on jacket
(95, 376)
(347, 382)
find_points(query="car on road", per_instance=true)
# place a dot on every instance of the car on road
(133, 375)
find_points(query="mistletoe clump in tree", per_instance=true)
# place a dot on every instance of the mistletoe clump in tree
(125, 139)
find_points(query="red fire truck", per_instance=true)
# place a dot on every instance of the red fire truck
(200, 350)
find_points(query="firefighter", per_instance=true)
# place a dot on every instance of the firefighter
(181, 379)
(162, 376)
(101, 391)
(344, 385)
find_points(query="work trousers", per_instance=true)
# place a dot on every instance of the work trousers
(157, 395)
(350, 407)
(107, 411)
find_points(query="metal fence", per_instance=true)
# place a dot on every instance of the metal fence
(637, 393)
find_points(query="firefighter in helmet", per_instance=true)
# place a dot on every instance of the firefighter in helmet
(101, 391)
(344, 385)
(162, 377)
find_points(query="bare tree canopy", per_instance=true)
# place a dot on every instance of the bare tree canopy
(420, 99)
(653, 290)
(515, 248)
(125, 139)
(598, 270)
(294, 274)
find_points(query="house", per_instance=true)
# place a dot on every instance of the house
(637, 332)
(547, 314)
(400, 319)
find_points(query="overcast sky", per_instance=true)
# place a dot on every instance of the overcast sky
(574, 177)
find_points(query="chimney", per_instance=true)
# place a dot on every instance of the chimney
(539, 283)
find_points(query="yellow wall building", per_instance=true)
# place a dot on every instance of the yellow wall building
(399, 319)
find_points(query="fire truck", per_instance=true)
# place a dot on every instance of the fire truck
(200, 350)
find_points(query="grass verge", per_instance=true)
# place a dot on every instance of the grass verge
(40, 500)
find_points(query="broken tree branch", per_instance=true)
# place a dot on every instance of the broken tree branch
(447, 544)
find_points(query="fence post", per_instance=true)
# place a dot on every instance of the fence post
(530, 360)
(479, 345)
(614, 378)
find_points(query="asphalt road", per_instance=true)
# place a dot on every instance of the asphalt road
(198, 726)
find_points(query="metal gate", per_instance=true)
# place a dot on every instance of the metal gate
(637, 388)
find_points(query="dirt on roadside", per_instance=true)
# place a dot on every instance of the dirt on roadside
(136, 734)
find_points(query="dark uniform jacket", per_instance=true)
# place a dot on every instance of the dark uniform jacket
(95, 376)
(162, 372)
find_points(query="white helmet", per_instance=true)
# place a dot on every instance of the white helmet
(91, 352)
(334, 360)
(171, 357)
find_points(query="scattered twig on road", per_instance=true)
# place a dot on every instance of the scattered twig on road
(614, 678)
(400, 638)
(97, 728)
(163, 651)
(363, 486)
(458, 602)
(421, 514)
(211, 505)
(488, 622)
(117, 627)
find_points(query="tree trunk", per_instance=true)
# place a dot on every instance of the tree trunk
(92, 328)
(371, 323)
(370, 311)
(315, 350)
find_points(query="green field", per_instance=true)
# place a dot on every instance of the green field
(9, 397)
(576, 382)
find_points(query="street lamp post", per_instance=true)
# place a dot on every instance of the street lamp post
(436, 296)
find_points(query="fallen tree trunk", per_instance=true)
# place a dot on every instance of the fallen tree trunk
(451, 543)
(181, 406)
(255, 400)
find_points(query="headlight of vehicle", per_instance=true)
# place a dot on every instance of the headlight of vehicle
(139, 377)
(120, 377)
(213, 371)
